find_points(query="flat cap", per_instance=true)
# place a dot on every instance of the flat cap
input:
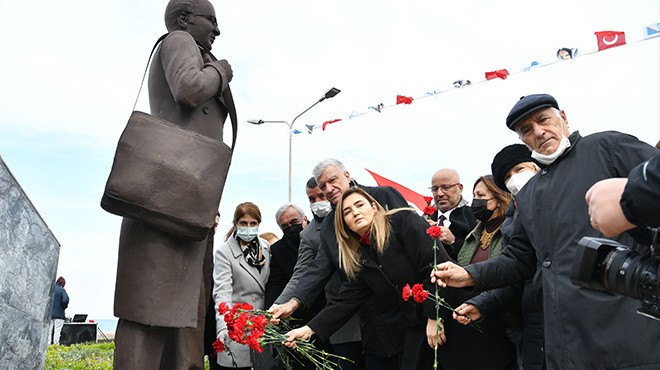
(528, 104)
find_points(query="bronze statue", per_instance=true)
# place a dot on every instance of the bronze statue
(164, 282)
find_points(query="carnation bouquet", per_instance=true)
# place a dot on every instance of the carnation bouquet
(251, 327)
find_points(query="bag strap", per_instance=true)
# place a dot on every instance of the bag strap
(227, 96)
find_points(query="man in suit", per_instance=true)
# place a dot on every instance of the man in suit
(454, 218)
(378, 338)
(164, 282)
(347, 339)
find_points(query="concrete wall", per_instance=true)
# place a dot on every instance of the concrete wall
(29, 254)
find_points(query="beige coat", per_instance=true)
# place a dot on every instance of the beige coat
(160, 277)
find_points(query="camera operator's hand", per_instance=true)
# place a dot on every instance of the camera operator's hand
(605, 210)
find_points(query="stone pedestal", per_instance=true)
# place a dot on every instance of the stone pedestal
(29, 254)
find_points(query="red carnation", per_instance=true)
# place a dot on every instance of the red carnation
(429, 210)
(406, 293)
(223, 308)
(246, 306)
(434, 232)
(428, 200)
(419, 294)
(218, 346)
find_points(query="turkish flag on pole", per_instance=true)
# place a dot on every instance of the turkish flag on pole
(411, 196)
(500, 73)
(610, 39)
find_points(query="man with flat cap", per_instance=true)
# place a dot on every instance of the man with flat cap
(583, 329)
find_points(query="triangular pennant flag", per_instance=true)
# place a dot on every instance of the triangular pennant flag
(500, 73)
(310, 128)
(400, 99)
(378, 107)
(410, 195)
(329, 122)
(295, 131)
(652, 30)
(461, 83)
(532, 65)
(567, 53)
(610, 39)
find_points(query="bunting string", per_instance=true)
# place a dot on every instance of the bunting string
(605, 40)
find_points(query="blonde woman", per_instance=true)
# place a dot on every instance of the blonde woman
(380, 252)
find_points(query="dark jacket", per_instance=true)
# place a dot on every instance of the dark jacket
(462, 222)
(640, 200)
(60, 302)
(283, 259)
(525, 328)
(407, 259)
(584, 329)
(495, 350)
(378, 337)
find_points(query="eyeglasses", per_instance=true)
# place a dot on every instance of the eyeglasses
(444, 188)
(211, 18)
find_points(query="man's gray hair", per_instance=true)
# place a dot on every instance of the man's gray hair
(284, 208)
(318, 170)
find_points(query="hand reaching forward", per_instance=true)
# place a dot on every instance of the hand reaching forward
(451, 274)
(303, 333)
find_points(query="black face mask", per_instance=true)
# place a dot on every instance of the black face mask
(480, 210)
(292, 233)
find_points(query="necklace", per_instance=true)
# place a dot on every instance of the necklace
(487, 237)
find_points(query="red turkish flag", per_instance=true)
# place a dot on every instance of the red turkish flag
(329, 122)
(610, 39)
(400, 99)
(500, 73)
(410, 195)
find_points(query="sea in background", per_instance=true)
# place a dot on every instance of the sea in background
(106, 325)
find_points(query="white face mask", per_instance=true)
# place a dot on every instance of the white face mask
(247, 233)
(518, 180)
(549, 158)
(321, 209)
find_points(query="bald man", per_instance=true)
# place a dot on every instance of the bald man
(457, 220)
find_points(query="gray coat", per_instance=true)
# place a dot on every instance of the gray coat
(160, 280)
(584, 329)
(235, 281)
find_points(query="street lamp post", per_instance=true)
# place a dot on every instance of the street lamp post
(328, 94)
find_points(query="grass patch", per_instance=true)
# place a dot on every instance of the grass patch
(84, 356)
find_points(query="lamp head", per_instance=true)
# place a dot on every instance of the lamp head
(256, 121)
(330, 93)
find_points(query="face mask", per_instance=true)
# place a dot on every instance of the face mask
(292, 233)
(550, 158)
(247, 233)
(480, 210)
(321, 209)
(518, 180)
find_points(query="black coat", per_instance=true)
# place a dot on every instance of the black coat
(462, 222)
(282, 261)
(407, 259)
(640, 200)
(583, 329)
(378, 336)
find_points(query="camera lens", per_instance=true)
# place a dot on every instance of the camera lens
(629, 273)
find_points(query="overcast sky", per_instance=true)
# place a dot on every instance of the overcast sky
(72, 68)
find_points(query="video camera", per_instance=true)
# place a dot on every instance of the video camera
(609, 266)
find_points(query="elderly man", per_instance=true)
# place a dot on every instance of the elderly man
(455, 220)
(379, 336)
(164, 282)
(583, 329)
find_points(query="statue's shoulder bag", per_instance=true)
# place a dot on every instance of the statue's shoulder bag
(167, 176)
